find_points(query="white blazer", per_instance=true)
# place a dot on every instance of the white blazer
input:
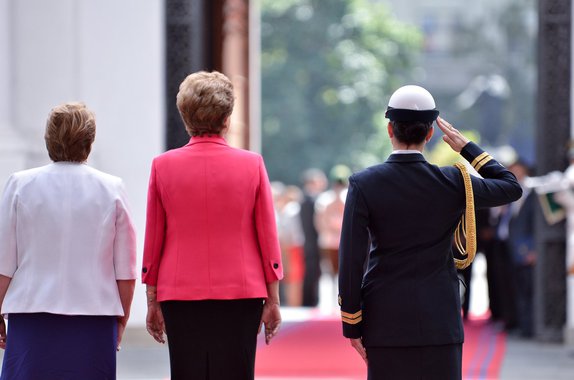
(66, 236)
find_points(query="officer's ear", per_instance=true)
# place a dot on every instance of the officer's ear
(390, 130)
(429, 134)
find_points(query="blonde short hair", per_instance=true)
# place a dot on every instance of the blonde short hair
(70, 132)
(204, 101)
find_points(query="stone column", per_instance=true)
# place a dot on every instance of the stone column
(569, 328)
(255, 76)
(189, 48)
(235, 62)
(553, 131)
(12, 148)
(208, 35)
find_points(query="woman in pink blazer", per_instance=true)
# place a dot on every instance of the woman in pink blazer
(212, 261)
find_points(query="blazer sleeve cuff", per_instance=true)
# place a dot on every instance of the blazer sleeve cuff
(352, 331)
(149, 277)
(352, 324)
(273, 271)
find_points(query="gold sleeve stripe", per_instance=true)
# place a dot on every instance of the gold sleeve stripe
(478, 158)
(352, 321)
(482, 163)
(483, 159)
(352, 316)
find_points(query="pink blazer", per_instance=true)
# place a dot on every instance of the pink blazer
(210, 228)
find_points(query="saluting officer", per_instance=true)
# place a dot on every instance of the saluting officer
(398, 286)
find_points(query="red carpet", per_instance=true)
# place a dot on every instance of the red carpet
(315, 349)
(311, 349)
(483, 350)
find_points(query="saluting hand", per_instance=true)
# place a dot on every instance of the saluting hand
(451, 135)
(358, 345)
(271, 318)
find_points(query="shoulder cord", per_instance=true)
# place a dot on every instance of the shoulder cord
(466, 229)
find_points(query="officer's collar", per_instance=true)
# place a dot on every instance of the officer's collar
(406, 157)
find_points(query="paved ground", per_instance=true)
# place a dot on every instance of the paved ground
(530, 360)
(141, 359)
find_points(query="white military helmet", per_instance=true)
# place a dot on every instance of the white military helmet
(411, 103)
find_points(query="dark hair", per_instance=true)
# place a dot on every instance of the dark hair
(70, 132)
(411, 132)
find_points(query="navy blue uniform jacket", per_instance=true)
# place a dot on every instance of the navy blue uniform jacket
(398, 285)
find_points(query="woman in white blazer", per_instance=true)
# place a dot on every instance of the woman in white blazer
(67, 260)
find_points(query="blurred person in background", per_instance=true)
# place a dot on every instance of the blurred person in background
(484, 234)
(522, 247)
(566, 199)
(291, 239)
(329, 209)
(212, 261)
(67, 260)
(501, 270)
(314, 183)
(399, 290)
(277, 192)
(492, 235)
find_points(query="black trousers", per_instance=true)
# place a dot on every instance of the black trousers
(415, 363)
(212, 339)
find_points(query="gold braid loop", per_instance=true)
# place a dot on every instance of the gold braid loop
(466, 229)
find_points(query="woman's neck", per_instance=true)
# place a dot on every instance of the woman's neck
(402, 146)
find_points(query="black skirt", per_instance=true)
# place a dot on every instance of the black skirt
(212, 339)
(415, 363)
